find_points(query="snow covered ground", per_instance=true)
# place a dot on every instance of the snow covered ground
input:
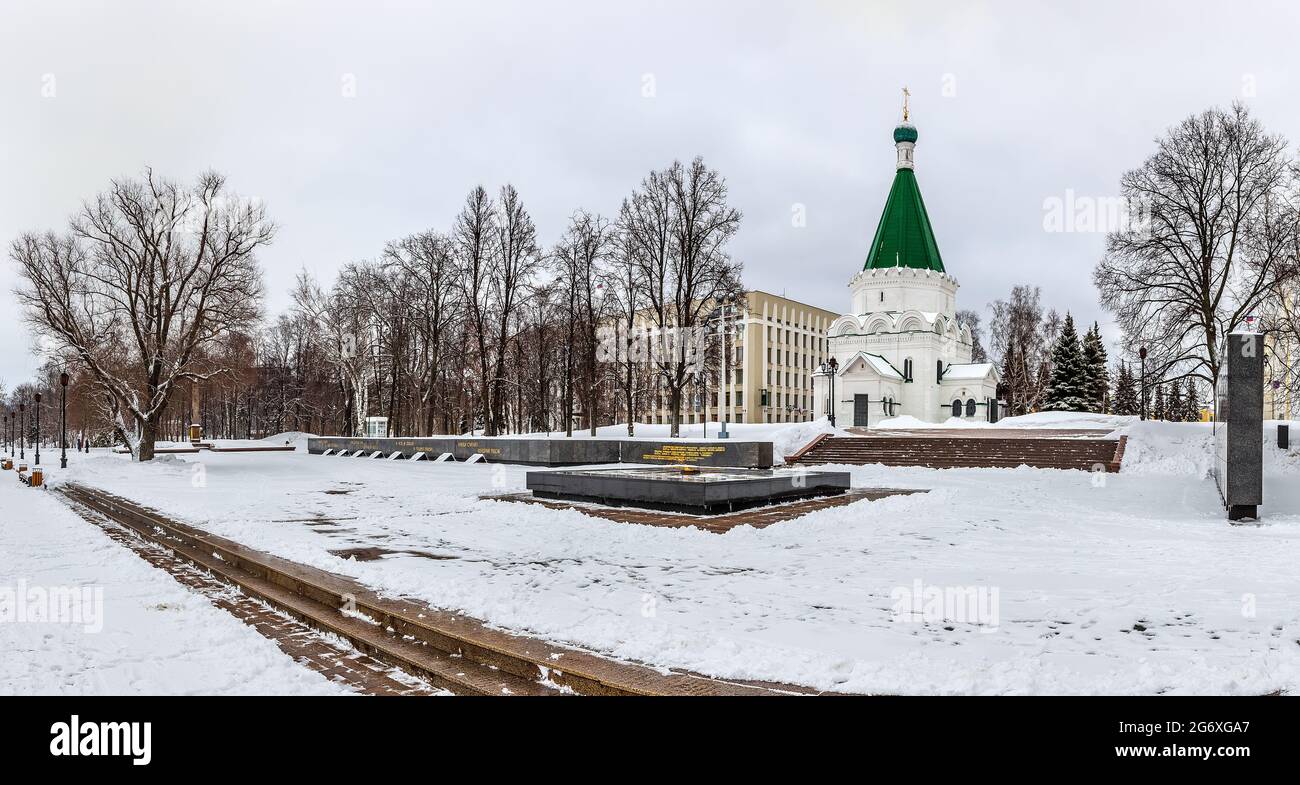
(1054, 581)
(1032, 421)
(135, 629)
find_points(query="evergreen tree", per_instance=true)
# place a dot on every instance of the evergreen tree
(1097, 375)
(1191, 402)
(1177, 412)
(1012, 379)
(1125, 399)
(1158, 410)
(1067, 388)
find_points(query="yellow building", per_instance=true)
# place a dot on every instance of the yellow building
(778, 344)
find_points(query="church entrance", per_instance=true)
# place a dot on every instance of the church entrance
(860, 409)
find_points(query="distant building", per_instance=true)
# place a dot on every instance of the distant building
(776, 347)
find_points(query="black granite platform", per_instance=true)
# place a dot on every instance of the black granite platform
(702, 491)
(560, 451)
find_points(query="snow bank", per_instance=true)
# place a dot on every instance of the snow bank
(1187, 449)
(1169, 448)
(1067, 420)
(789, 439)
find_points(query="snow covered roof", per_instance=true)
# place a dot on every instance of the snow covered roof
(878, 364)
(956, 371)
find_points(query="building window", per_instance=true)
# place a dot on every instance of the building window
(956, 408)
(970, 408)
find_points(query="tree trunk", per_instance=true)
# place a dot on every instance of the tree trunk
(148, 437)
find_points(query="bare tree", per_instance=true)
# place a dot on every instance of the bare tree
(1020, 344)
(429, 260)
(970, 318)
(581, 258)
(1218, 236)
(148, 274)
(678, 225)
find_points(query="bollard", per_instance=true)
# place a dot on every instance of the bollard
(1284, 436)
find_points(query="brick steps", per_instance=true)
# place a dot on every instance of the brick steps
(969, 452)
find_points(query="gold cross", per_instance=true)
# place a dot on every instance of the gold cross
(906, 95)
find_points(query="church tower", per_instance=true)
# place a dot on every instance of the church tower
(901, 351)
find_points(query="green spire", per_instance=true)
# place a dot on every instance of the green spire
(904, 237)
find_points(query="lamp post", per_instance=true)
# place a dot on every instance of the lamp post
(6, 436)
(63, 419)
(22, 426)
(724, 389)
(38, 429)
(833, 365)
(1142, 355)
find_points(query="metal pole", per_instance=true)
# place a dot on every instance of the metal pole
(1142, 405)
(38, 429)
(63, 420)
(22, 427)
(725, 391)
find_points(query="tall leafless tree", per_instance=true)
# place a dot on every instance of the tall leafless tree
(678, 226)
(1217, 235)
(148, 275)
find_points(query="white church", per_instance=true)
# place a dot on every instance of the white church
(900, 350)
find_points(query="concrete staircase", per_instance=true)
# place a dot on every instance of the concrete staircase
(948, 452)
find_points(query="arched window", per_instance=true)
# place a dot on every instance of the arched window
(907, 370)
(938, 372)
(956, 407)
(970, 408)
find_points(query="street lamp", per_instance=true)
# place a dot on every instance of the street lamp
(833, 365)
(1142, 355)
(22, 427)
(63, 419)
(38, 429)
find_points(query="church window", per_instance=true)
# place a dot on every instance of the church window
(907, 370)
(970, 408)
(938, 370)
(956, 408)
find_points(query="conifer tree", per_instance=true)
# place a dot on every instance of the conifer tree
(1176, 411)
(1067, 389)
(1158, 410)
(1096, 374)
(1125, 399)
(1191, 403)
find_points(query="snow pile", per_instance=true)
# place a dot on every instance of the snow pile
(296, 438)
(790, 438)
(1067, 420)
(1169, 448)
(1187, 449)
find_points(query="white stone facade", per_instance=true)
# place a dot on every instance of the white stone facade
(901, 352)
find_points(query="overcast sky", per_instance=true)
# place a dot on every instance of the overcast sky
(361, 122)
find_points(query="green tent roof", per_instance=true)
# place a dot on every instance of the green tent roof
(904, 237)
